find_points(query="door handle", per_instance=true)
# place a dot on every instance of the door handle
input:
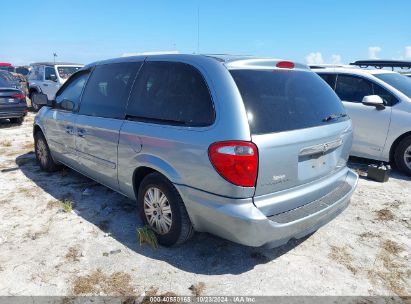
(45, 84)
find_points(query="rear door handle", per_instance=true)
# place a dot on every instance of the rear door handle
(45, 84)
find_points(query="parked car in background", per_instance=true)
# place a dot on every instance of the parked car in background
(48, 77)
(12, 102)
(5, 66)
(379, 104)
(16, 80)
(252, 150)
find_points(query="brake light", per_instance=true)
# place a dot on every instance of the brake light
(18, 96)
(285, 65)
(236, 161)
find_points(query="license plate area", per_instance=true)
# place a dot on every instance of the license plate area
(6, 100)
(315, 165)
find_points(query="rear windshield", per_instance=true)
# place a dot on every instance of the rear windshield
(66, 71)
(279, 100)
(398, 81)
(4, 83)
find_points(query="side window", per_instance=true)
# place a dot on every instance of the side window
(388, 98)
(353, 89)
(49, 73)
(72, 89)
(171, 93)
(108, 89)
(330, 79)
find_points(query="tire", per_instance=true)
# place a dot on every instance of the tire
(18, 120)
(180, 229)
(402, 155)
(35, 107)
(43, 154)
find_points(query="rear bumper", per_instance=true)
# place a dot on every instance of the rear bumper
(238, 220)
(13, 111)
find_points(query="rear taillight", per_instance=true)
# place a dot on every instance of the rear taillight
(18, 96)
(236, 161)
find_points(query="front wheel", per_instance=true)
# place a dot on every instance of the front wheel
(162, 208)
(35, 106)
(402, 155)
(43, 154)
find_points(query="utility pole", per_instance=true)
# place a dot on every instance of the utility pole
(54, 56)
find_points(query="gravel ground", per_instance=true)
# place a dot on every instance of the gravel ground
(56, 239)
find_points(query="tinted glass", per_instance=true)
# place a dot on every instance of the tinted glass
(72, 89)
(171, 93)
(278, 101)
(388, 98)
(4, 83)
(398, 81)
(66, 71)
(48, 71)
(330, 79)
(108, 89)
(353, 89)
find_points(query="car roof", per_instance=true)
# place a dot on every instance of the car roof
(55, 63)
(230, 61)
(353, 71)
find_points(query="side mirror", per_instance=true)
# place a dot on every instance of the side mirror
(67, 105)
(373, 100)
(40, 99)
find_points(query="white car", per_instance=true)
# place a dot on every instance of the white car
(379, 104)
(48, 77)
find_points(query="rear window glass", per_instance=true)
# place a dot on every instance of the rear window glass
(4, 83)
(278, 101)
(171, 93)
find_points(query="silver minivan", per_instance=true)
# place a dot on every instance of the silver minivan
(252, 150)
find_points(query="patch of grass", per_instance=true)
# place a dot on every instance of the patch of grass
(6, 143)
(73, 254)
(367, 235)
(118, 283)
(388, 270)
(67, 205)
(384, 215)
(197, 289)
(392, 247)
(147, 235)
(343, 257)
(29, 146)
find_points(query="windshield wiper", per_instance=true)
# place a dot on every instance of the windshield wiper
(334, 116)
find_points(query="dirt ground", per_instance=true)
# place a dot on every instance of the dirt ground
(62, 234)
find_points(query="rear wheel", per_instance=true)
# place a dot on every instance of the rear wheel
(162, 208)
(43, 154)
(18, 120)
(402, 155)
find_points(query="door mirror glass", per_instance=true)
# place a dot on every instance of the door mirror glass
(67, 105)
(373, 100)
(40, 99)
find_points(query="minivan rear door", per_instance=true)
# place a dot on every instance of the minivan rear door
(299, 125)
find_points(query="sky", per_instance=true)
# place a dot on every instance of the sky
(308, 31)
